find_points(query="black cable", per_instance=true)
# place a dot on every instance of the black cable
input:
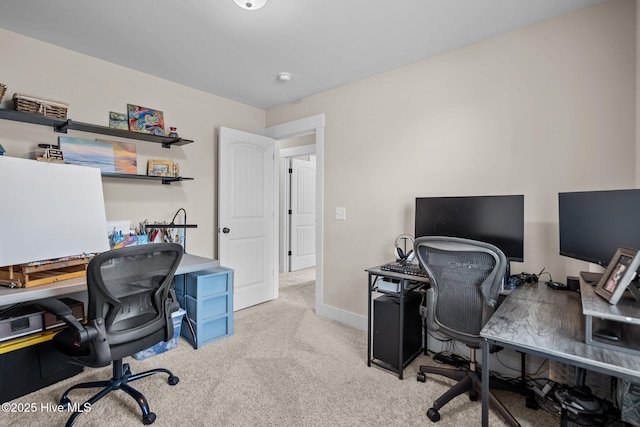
(185, 215)
(184, 230)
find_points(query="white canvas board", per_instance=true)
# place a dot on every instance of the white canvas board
(49, 210)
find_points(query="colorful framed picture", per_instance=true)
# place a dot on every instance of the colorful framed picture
(85, 152)
(145, 120)
(125, 158)
(160, 168)
(618, 275)
(118, 120)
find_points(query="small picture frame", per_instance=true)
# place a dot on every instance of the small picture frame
(160, 168)
(619, 274)
(118, 120)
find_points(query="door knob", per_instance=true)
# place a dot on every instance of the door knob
(225, 230)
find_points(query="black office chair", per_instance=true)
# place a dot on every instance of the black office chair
(129, 310)
(465, 278)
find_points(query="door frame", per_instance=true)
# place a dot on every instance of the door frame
(307, 126)
(285, 155)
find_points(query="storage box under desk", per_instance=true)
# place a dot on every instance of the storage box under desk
(207, 297)
(622, 319)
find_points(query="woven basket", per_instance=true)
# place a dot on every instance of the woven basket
(28, 104)
(3, 89)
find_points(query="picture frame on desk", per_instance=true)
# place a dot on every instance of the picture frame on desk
(619, 274)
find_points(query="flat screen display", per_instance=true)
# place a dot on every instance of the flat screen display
(498, 220)
(594, 224)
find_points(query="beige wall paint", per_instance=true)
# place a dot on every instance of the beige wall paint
(544, 109)
(92, 88)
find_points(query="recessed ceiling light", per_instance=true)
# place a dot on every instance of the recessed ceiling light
(251, 4)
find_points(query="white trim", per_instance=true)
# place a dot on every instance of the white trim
(301, 150)
(301, 127)
(285, 155)
(283, 235)
(348, 318)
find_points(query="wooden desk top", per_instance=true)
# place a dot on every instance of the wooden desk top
(8, 296)
(538, 320)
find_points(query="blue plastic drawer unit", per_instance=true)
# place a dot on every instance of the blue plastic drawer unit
(207, 297)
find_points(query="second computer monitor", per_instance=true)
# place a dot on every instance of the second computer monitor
(498, 220)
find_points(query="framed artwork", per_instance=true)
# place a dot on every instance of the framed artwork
(145, 120)
(85, 152)
(118, 120)
(618, 275)
(160, 168)
(125, 158)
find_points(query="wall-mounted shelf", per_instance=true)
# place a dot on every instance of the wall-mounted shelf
(61, 126)
(165, 179)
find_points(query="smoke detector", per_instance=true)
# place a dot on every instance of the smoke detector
(284, 76)
(251, 4)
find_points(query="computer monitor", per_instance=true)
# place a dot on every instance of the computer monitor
(594, 224)
(498, 220)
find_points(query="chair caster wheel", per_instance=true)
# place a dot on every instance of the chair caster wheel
(173, 380)
(473, 396)
(433, 415)
(421, 377)
(531, 403)
(149, 418)
(64, 402)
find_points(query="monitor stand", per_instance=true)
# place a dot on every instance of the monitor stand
(590, 277)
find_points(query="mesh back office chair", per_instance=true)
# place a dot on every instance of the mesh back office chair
(129, 310)
(465, 280)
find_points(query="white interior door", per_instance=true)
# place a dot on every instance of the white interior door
(303, 214)
(246, 215)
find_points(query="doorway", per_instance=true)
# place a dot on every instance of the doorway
(312, 127)
(297, 204)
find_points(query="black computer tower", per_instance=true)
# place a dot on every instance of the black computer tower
(386, 328)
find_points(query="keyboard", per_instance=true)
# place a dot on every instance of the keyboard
(410, 269)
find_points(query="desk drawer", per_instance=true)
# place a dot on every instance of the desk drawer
(180, 284)
(208, 282)
(208, 330)
(212, 330)
(208, 307)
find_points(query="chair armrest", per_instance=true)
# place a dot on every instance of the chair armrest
(63, 312)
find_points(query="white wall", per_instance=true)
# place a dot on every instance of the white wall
(544, 109)
(92, 88)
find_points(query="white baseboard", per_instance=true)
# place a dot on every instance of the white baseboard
(348, 318)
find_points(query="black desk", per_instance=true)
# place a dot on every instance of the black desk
(408, 283)
(537, 320)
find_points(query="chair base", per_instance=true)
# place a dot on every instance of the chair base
(121, 377)
(468, 381)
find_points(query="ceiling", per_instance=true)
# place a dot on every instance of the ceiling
(219, 48)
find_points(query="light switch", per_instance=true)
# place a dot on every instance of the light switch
(341, 213)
